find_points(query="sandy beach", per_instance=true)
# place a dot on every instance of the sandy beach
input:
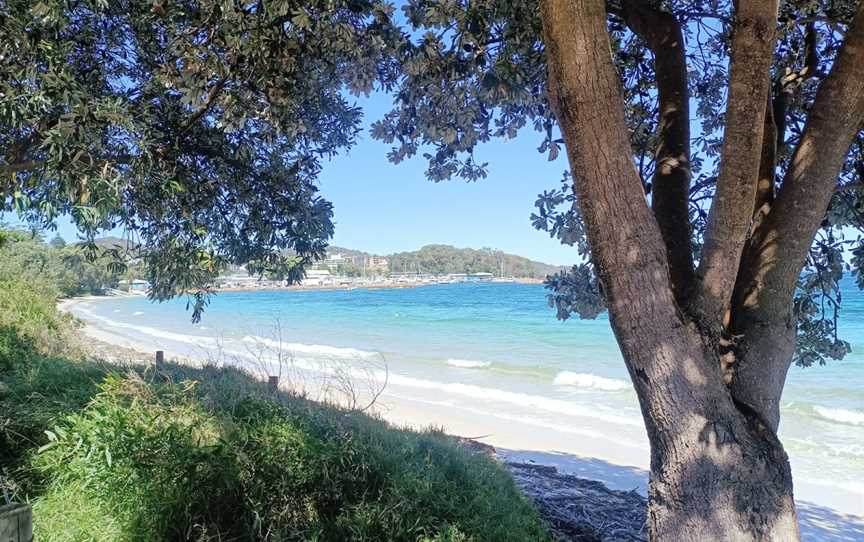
(826, 513)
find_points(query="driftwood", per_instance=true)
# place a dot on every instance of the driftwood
(575, 509)
(581, 510)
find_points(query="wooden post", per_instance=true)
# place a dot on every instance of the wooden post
(160, 359)
(16, 523)
(273, 383)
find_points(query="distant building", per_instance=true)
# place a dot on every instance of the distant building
(135, 285)
(378, 263)
(238, 280)
(333, 261)
(317, 277)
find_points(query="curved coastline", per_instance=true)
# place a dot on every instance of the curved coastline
(587, 451)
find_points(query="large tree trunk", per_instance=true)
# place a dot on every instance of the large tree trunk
(717, 472)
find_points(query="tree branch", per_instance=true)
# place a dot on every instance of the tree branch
(768, 162)
(211, 98)
(86, 159)
(627, 248)
(779, 247)
(661, 31)
(774, 137)
(26, 165)
(731, 213)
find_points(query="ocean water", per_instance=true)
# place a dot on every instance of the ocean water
(495, 350)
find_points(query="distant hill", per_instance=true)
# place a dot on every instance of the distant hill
(445, 259)
(432, 259)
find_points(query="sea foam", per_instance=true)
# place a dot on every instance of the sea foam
(522, 400)
(196, 340)
(841, 415)
(468, 364)
(317, 350)
(587, 380)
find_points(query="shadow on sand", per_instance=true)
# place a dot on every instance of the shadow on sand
(818, 523)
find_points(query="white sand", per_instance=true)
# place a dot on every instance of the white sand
(838, 517)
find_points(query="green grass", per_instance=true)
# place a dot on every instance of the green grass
(107, 453)
(130, 457)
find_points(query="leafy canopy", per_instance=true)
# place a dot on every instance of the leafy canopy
(197, 125)
(200, 125)
(475, 71)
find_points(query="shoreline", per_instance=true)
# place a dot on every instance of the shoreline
(314, 288)
(591, 457)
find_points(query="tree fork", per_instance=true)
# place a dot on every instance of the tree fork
(730, 216)
(715, 473)
(778, 249)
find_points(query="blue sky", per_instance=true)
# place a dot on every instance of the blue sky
(384, 208)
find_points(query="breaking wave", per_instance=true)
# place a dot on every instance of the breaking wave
(468, 364)
(841, 415)
(587, 380)
(317, 350)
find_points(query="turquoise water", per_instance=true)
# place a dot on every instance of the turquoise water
(497, 349)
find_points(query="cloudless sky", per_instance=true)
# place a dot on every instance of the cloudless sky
(383, 208)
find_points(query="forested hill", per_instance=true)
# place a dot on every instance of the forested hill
(444, 259)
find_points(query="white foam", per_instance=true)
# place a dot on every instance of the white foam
(522, 400)
(310, 349)
(841, 415)
(480, 394)
(196, 340)
(137, 313)
(528, 420)
(587, 380)
(468, 364)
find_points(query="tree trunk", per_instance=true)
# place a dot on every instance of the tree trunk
(717, 471)
(693, 497)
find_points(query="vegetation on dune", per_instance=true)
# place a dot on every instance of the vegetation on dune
(114, 453)
(68, 269)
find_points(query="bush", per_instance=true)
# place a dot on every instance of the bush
(34, 397)
(150, 461)
(106, 456)
(13, 348)
(29, 320)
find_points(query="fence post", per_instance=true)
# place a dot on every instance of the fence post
(16, 523)
(160, 359)
(273, 383)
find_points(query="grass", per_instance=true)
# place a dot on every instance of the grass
(125, 454)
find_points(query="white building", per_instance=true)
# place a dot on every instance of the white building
(317, 277)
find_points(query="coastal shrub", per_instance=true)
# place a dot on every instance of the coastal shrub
(28, 311)
(34, 397)
(160, 461)
(13, 348)
(110, 453)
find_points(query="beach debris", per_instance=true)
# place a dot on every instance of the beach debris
(581, 510)
(575, 509)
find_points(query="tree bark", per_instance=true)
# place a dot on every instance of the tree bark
(767, 164)
(730, 217)
(777, 252)
(671, 184)
(716, 473)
